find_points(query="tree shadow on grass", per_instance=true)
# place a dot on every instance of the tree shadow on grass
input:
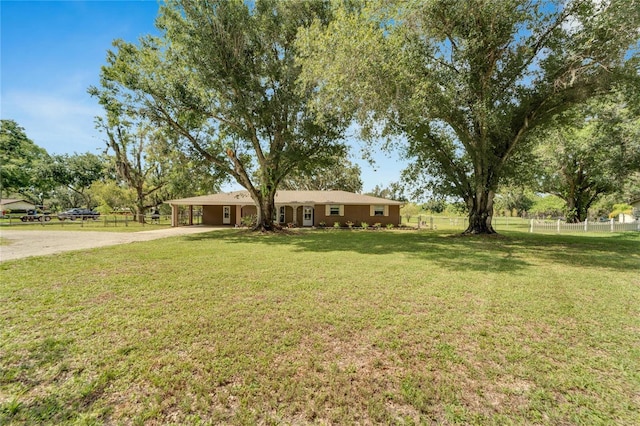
(508, 252)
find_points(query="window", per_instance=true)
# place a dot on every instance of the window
(281, 214)
(334, 210)
(379, 210)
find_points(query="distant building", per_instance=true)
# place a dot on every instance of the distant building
(15, 205)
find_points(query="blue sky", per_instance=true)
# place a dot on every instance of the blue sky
(52, 51)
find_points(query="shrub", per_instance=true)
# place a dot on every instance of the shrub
(336, 224)
(389, 225)
(248, 221)
(620, 209)
(364, 225)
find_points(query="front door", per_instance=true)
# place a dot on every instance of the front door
(226, 215)
(307, 216)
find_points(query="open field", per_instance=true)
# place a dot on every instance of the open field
(326, 327)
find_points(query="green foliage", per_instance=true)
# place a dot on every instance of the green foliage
(340, 175)
(71, 176)
(547, 206)
(587, 152)
(248, 221)
(619, 209)
(435, 205)
(393, 192)
(222, 80)
(513, 201)
(466, 82)
(112, 195)
(409, 210)
(20, 160)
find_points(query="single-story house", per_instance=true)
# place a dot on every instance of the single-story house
(15, 205)
(299, 208)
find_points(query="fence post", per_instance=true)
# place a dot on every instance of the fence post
(611, 224)
(586, 225)
(558, 226)
(531, 228)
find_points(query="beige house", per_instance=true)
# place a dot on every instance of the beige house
(297, 208)
(15, 205)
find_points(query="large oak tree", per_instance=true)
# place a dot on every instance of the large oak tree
(20, 159)
(590, 151)
(466, 81)
(222, 77)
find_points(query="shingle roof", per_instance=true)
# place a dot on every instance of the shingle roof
(6, 201)
(285, 197)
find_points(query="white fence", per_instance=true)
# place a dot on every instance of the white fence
(586, 226)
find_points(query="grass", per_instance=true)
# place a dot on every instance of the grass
(399, 327)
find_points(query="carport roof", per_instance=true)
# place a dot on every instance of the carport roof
(285, 197)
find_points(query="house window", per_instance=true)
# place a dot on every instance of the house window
(281, 210)
(378, 210)
(334, 210)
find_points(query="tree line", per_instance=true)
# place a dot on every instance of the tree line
(479, 96)
(132, 174)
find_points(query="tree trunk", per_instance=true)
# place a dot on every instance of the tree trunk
(480, 213)
(140, 214)
(576, 211)
(266, 210)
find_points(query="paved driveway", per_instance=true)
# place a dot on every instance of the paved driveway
(37, 243)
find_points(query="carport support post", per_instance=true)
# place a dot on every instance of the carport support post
(190, 215)
(238, 215)
(174, 215)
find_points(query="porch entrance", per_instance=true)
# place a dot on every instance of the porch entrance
(226, 215)
(307, 216)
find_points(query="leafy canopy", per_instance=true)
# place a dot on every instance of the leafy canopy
(587, 152)
(19, 159)
(223, 79)
(466, 82)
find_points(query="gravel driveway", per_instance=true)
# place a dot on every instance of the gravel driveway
(23, 243)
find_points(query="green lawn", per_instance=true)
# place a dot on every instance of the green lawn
(334, 327)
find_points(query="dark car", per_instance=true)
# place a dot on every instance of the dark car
(83, 214)
(36, 216)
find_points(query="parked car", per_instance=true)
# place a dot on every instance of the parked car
(77, 213)
(36, 216)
